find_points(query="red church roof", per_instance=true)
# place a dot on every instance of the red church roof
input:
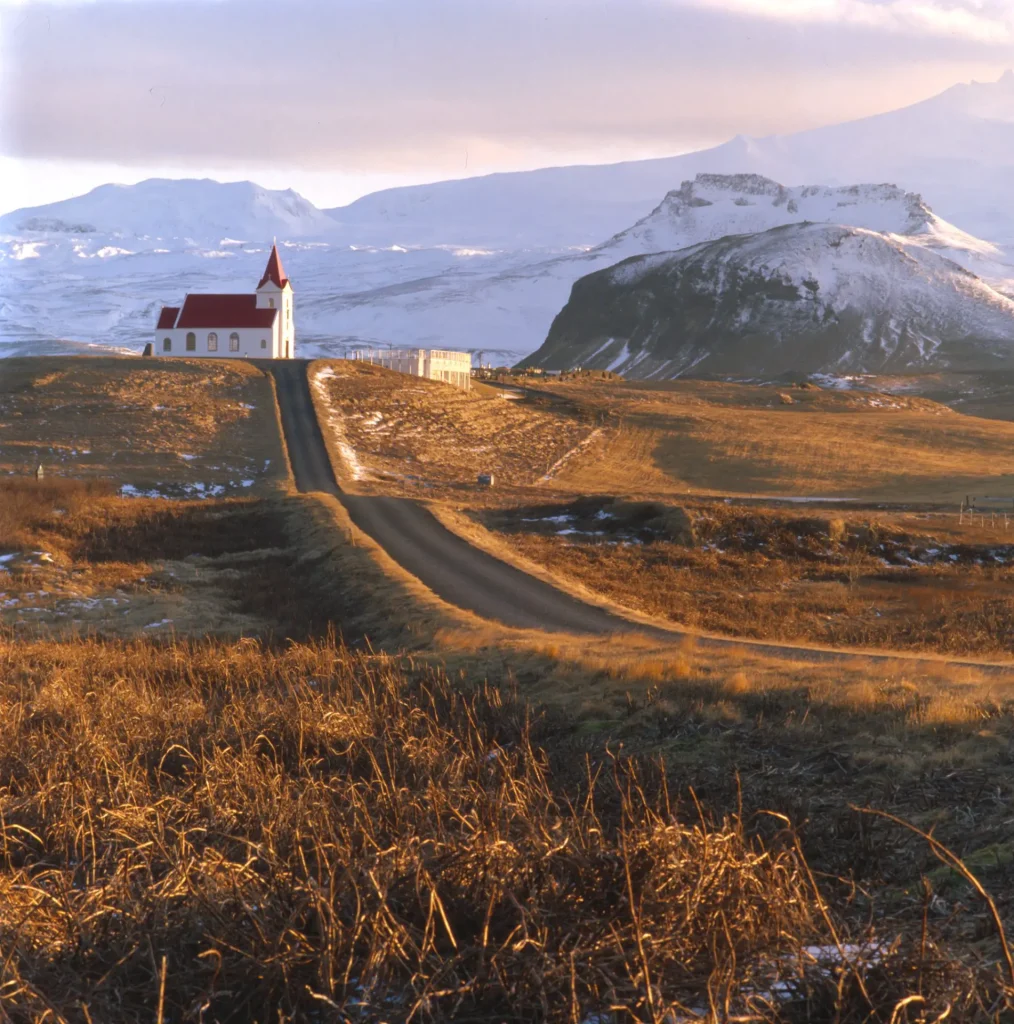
(167, 318)
(274, 271)
(223, 311)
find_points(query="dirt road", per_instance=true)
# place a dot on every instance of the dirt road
(474, 580)
(453, 569)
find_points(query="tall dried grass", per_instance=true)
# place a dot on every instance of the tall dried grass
(26, 503)
(224, 832)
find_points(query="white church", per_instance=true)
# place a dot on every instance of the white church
(257, 326)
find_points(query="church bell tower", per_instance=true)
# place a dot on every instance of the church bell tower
(275, 292)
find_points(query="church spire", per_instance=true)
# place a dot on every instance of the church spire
(274, 272)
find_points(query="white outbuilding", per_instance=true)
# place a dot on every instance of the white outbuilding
(256, 326)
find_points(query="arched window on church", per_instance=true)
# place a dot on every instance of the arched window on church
(191, 341)
(212, 341)
(167, 345)
(271, 303)
(234, 342)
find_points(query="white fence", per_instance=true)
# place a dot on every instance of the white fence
(434, 364)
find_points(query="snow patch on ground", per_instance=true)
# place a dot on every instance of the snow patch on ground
(336, 422)
(567, 456)
(175, 491)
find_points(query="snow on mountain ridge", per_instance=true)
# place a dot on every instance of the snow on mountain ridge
(802, 297)
(712, 205)
(189, 209)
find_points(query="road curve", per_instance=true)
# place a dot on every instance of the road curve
(476, 581)
(448, 565)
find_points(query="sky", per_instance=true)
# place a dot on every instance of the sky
(337, 98)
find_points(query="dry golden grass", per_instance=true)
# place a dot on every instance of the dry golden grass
(896, 582)
(412, 435)
(677, 437)
(76, 559)
(703, 437)
(148, 423)
(247, 832)
(302, 829)
(222, 832)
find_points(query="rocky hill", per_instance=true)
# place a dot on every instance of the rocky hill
(795, 298)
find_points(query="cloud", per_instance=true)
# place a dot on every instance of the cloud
(983, 21)
(398, 86)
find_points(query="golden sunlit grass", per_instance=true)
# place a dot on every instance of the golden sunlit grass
(500, 825)
(149, 423)
(75, 558)
(706, 437)
(888, 581)
(218, 832)
(411, 434)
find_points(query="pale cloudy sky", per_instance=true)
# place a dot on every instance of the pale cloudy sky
(339, 97)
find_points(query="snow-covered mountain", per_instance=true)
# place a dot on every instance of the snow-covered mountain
(108, 289)
(800, 297)
(713, 205)
(491, 260)
(956, 149)
(163, 210)
(512, 307)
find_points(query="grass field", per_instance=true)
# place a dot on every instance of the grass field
(180, 429)
(901, 581)
(410, 435)
(237, 816)
(714, 438)
(268, 830)
(224, 832)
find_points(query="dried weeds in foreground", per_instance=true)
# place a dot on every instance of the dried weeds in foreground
(311, 834)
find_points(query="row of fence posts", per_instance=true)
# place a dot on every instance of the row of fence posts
(969, 511)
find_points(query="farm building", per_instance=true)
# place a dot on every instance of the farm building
(254, 326)
(433, 363)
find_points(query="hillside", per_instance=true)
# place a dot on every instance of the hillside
(196, 428)
(797, 298)
(484, 264)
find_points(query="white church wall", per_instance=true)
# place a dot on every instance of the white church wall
(254, 343)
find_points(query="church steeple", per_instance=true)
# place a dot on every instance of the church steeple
(275, 292)
(274, 272)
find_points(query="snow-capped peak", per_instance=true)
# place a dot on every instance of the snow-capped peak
(714, 205)
(161, 209)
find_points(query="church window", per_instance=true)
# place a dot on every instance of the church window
(234, 342)
(271, 303)
(212, 341)
(264, 343)
(191, 341)
(167, 345)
